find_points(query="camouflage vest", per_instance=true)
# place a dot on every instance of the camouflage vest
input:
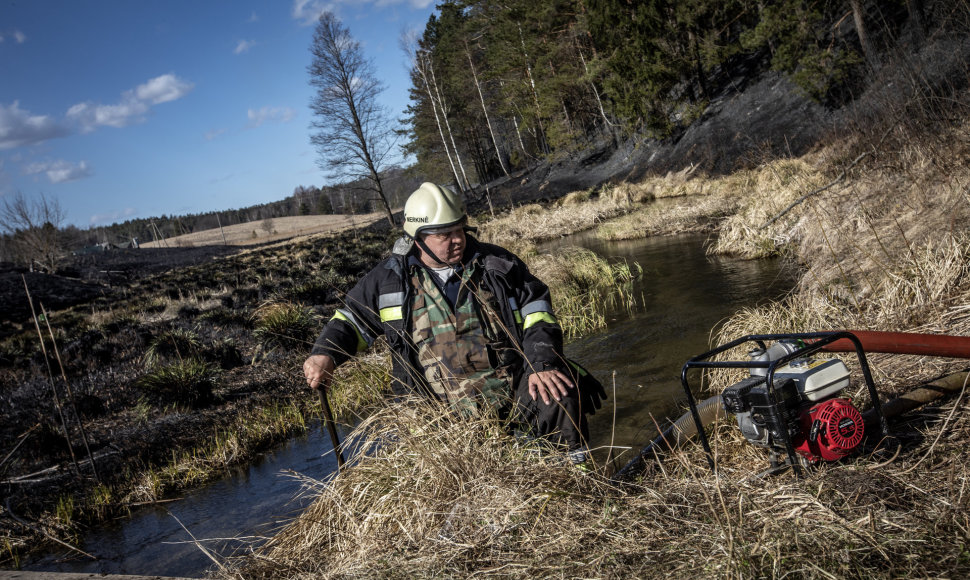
(457, 350)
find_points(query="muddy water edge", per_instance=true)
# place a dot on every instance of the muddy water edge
(681, 296)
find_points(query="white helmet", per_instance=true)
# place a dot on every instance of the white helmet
(432, 206)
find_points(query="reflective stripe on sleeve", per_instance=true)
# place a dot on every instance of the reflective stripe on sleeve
(390, 299)
(538, 317)
(538, 311)
(348, 317)
(391, 313)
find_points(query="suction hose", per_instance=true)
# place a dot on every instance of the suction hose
(683, 428)
(920, 396)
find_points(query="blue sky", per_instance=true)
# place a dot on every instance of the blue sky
(121, 109)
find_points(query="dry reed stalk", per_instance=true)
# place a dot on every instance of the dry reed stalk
(689, 215)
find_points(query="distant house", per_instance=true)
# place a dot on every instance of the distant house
(105, 246)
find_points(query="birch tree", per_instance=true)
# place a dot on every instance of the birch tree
(353, 132)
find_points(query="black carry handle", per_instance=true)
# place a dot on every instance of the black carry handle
(328, 420)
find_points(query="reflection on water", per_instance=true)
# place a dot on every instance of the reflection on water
(681, 296)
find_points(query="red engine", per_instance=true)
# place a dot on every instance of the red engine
(830, 430)
(803, 407)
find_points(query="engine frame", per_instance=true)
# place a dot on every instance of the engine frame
(811, 343)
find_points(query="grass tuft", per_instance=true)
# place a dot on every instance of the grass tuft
(185, 384)
(285, 324)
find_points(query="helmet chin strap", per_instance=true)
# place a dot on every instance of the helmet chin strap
(419, 240)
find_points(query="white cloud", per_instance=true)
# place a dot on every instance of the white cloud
(243, 46)
(253, 17)
(415, 4)
(18, 127)
(90, 116)
(163, 89)
(134, 104)
(60, 171)
(270, 114)
(18, 36)
(309, 11)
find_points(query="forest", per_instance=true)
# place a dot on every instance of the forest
(501, 85)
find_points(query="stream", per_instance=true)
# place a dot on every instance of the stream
(681, 296)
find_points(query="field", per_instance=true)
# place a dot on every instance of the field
(268, 230)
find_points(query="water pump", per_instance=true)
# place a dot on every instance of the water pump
(792, 403)
(807, 407)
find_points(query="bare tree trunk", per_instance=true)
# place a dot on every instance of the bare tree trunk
(451, 136)
(540, 136)
(353, 132)
(607, 125)
(868, 50)
(434, 108)
(481, 97)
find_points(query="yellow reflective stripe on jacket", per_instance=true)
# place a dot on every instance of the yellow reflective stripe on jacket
(538, 311)
(514, 307)
(390, 306)
(349, 319)
(538, 317)
(392, 313)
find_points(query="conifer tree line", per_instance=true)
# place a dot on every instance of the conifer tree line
(500, 84)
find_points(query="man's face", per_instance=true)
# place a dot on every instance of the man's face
(448, 245)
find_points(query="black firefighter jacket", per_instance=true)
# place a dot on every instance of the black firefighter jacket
(380, 304)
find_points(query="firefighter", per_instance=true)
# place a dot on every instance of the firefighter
(468, 325)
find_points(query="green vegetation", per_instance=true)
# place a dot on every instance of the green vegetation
(185, 384)
(585, 287)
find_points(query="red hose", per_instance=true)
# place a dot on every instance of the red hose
(905, 343)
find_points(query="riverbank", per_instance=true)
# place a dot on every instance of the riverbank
(878, 223)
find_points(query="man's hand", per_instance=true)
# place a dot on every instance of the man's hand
(318, 370)
(549, 385)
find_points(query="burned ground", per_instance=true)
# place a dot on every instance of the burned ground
(127, 324)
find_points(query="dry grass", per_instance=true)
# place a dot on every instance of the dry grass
(437, 497)
(878, 253)
(676, 216)
(524, 226)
